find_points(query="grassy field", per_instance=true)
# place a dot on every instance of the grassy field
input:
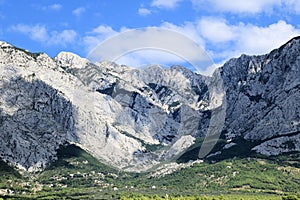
(77, 175)
(203, 197)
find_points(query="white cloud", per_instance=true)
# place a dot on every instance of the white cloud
(55, 6)
(210, 28)
(78, 11)
(169, 4)
(36, 32)
(293, 5)
(40, 33)
(62, 38)
(144, 11)
(258, 40)
(237, 7)
(242, 6)
(228, 40)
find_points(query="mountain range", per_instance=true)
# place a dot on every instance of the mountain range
(137, 119)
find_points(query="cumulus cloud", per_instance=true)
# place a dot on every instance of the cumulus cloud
(258, 40)
(55, 6)
(227, 40)
(36, 32)
(78, 11)
(210, 29)
(293, 5)
(250, 6)
(40, 33)
(169, 4)
(236, 7)
(62, 38)
(144, 11)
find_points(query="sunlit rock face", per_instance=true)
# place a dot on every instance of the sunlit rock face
(136, 119)
(129, 118)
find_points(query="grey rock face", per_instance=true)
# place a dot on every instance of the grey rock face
(135, 119)
(263, 96)
(34, 121)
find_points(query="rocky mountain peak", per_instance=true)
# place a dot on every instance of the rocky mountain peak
(4, 44)
(70, 60)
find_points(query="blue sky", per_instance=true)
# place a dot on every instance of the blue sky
(224, 28)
